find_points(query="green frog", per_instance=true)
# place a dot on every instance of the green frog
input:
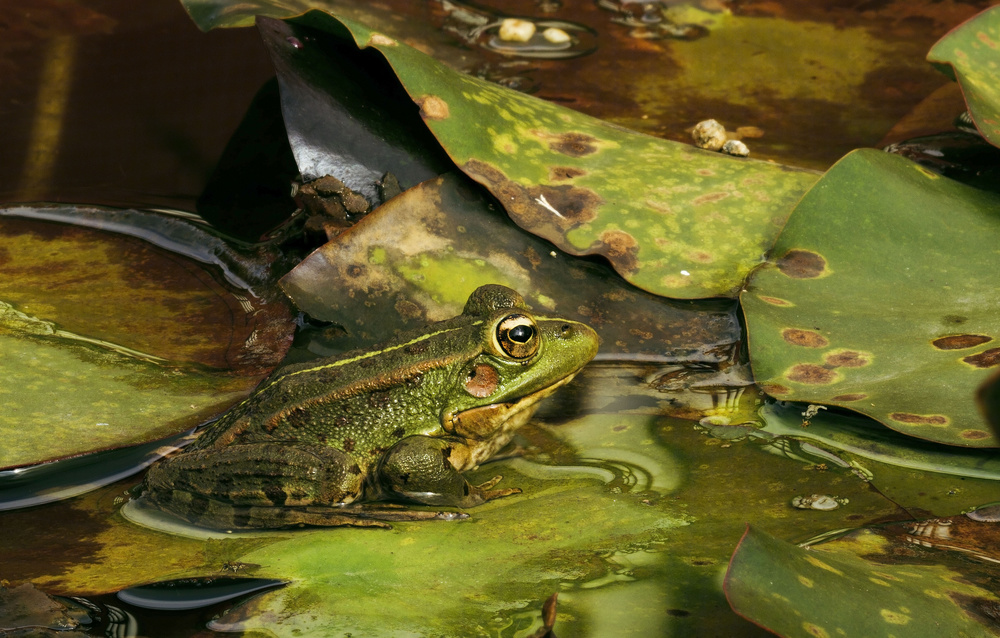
(334, 441)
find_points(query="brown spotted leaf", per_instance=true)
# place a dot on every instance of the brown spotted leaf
(880, 298)
(672, 219)
(419, 256)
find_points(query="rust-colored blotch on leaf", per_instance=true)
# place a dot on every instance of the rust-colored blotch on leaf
(775, 388)
(775, 301)
(985, 359)
(960, 342)
(848, 359)
(919, 419)
(572, 144)
(854, 396)
(975, 435)
(811, 374)
(804, 338)
(802, 264)
(563, 173)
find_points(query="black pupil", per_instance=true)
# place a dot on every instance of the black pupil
(521, 334)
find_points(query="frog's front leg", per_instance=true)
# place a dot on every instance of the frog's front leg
(417, 469)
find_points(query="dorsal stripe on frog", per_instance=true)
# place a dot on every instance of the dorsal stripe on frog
(366, 355)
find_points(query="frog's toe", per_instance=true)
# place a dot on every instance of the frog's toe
(490, 483)
(487, 494)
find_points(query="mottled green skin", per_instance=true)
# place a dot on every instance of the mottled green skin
(400, 421)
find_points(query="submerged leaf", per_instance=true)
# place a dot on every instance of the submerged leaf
(109, 340)
(911, 579)
(879, 300)
(973, 52)
(421, 254)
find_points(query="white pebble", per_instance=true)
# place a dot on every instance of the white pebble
(709, 135)
(556, 36)
(735, 147)
(516, 30)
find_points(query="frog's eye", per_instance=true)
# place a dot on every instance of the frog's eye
(518, 336)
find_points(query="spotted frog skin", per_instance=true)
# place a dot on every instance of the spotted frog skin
(328, 441)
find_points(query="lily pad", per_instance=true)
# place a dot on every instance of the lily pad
(861, 437)
(672, 219)
(418, 257)
(876, 299)
(903, 579)
(108, 340)
(972, 50)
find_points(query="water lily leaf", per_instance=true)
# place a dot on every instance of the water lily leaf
(876, 300)
(862, 437)
(672, 219)
(108, 340)
(908, 579)
(972, 50)
(421, 254)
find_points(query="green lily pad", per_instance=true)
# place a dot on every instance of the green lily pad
(418, 257)
(107, 340)
(877, 299)
(905, 579)
(672, 219)
(861, 437)
(972, 50)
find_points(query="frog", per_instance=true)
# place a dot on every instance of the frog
(360, 438)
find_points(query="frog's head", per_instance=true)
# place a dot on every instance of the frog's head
(520, 359)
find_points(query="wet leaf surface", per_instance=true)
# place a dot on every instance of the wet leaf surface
(972, 50)
(862, 438)
(418, 257)
(914, 579)
(875, 299)
(671, 219)
(630, 514)
(80, 373)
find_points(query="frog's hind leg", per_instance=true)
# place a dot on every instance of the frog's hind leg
(253, 485)
(267, 486)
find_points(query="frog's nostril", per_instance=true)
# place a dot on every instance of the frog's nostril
(565, 329)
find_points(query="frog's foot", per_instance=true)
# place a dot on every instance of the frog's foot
(417, 469)
(487, 494)
(393, 512)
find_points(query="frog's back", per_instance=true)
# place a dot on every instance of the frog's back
(361, 402)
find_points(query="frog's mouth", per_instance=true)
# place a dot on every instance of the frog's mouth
(495, 424)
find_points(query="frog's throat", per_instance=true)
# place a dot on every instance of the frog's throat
(497, 422)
